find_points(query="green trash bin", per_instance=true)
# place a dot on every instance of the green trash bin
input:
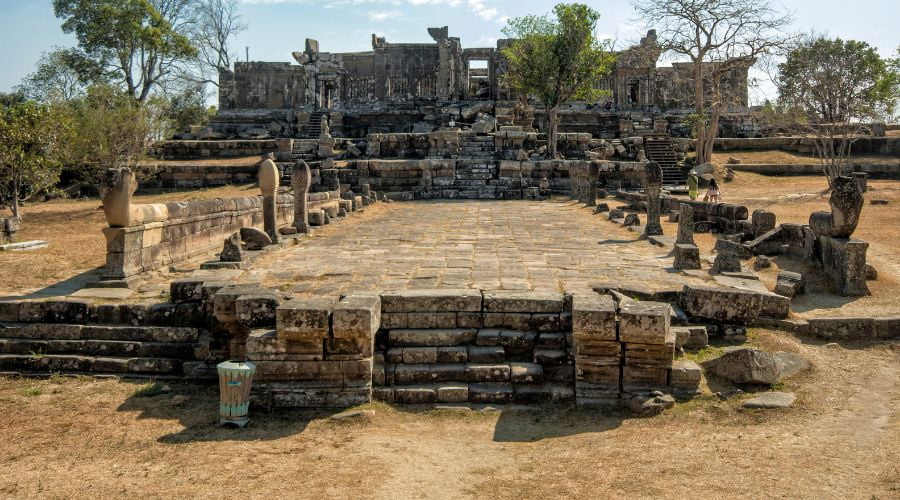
(235, 380)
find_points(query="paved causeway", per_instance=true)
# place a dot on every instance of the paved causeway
(513, 245)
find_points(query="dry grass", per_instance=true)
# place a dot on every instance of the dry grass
(73, 229)
(786, 158)
(80, 438)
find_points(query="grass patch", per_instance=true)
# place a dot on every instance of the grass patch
(34, 391)
(149, 390)
(704, 354)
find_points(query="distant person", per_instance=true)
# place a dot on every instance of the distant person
(712, 193)
(693, 186)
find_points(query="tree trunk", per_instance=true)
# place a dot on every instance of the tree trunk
(14, 203)
(703, 155)
(552, 125)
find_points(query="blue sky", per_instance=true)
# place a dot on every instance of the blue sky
(278, 27)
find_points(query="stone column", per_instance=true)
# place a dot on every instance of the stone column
(300, 181)
(268, 184)
(685, 225)
(591, 186)
(652, 188)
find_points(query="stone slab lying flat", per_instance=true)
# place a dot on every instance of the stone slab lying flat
(104, 293)
(445, 300)
(768, 400)
(523, 302)
(24, 246)
(431, 338)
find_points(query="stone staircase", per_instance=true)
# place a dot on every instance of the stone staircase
(76, 343)
(659, 149)
(473, 365)
(473, 178)
(476, 146)
(314, 130)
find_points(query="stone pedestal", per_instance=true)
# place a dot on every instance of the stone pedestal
(300, 181)
(685, 225)
(845, 261)
(268, 185)
(652, 188)
(687, 256)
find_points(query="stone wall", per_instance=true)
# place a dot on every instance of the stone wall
(176, 232)
(861, 146)
(196, 150)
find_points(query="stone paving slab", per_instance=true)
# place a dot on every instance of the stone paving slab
(553, 246)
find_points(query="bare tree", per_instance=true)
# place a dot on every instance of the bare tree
(833, 90)
(718, 37)
(216, 23)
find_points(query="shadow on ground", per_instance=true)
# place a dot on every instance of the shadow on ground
(62, 288)
(195, 407)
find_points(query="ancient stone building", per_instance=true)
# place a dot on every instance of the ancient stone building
(417, 87)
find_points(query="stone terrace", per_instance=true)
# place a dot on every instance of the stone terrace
(513, 245)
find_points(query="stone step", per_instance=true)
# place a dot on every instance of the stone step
(479, 393)
(177, 350)
(74, 363)
(41, 331)
(431, 338)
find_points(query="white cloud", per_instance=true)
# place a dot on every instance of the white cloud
(481, 8)
(383, 15)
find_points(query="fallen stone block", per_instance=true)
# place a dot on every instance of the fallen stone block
(790, 284)
(725, 305)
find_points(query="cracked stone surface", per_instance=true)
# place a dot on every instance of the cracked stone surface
(493, 245)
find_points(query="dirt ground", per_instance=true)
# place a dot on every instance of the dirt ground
(73, 229)
(72, 438)
(792, 199)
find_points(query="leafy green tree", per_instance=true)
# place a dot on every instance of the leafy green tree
(32, 144)
(113, 129)
(136, 41)
(61, 75)
(832, 90)
(556, 60)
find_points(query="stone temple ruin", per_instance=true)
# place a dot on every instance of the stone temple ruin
(421, 87)
(337, 134)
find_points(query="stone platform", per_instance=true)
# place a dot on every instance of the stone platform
(553, 245)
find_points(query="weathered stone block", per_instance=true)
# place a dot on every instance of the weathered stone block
(490, 393)
(357, 316)
(725, 305)
(415, 395)
(456, 354)
(685, 375)
(690, 337)
(686, 257)
(843, 328)
(594, 315)
(431, 338)
(257, 310)
(526, 373)
(419, 355)
(453, 393)
(431, 320)
(487, 373)
(845, 261)
(645, 323)
(446, 300)
(486, 354)
(304, 319)
(265, 345)
(523, 302)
